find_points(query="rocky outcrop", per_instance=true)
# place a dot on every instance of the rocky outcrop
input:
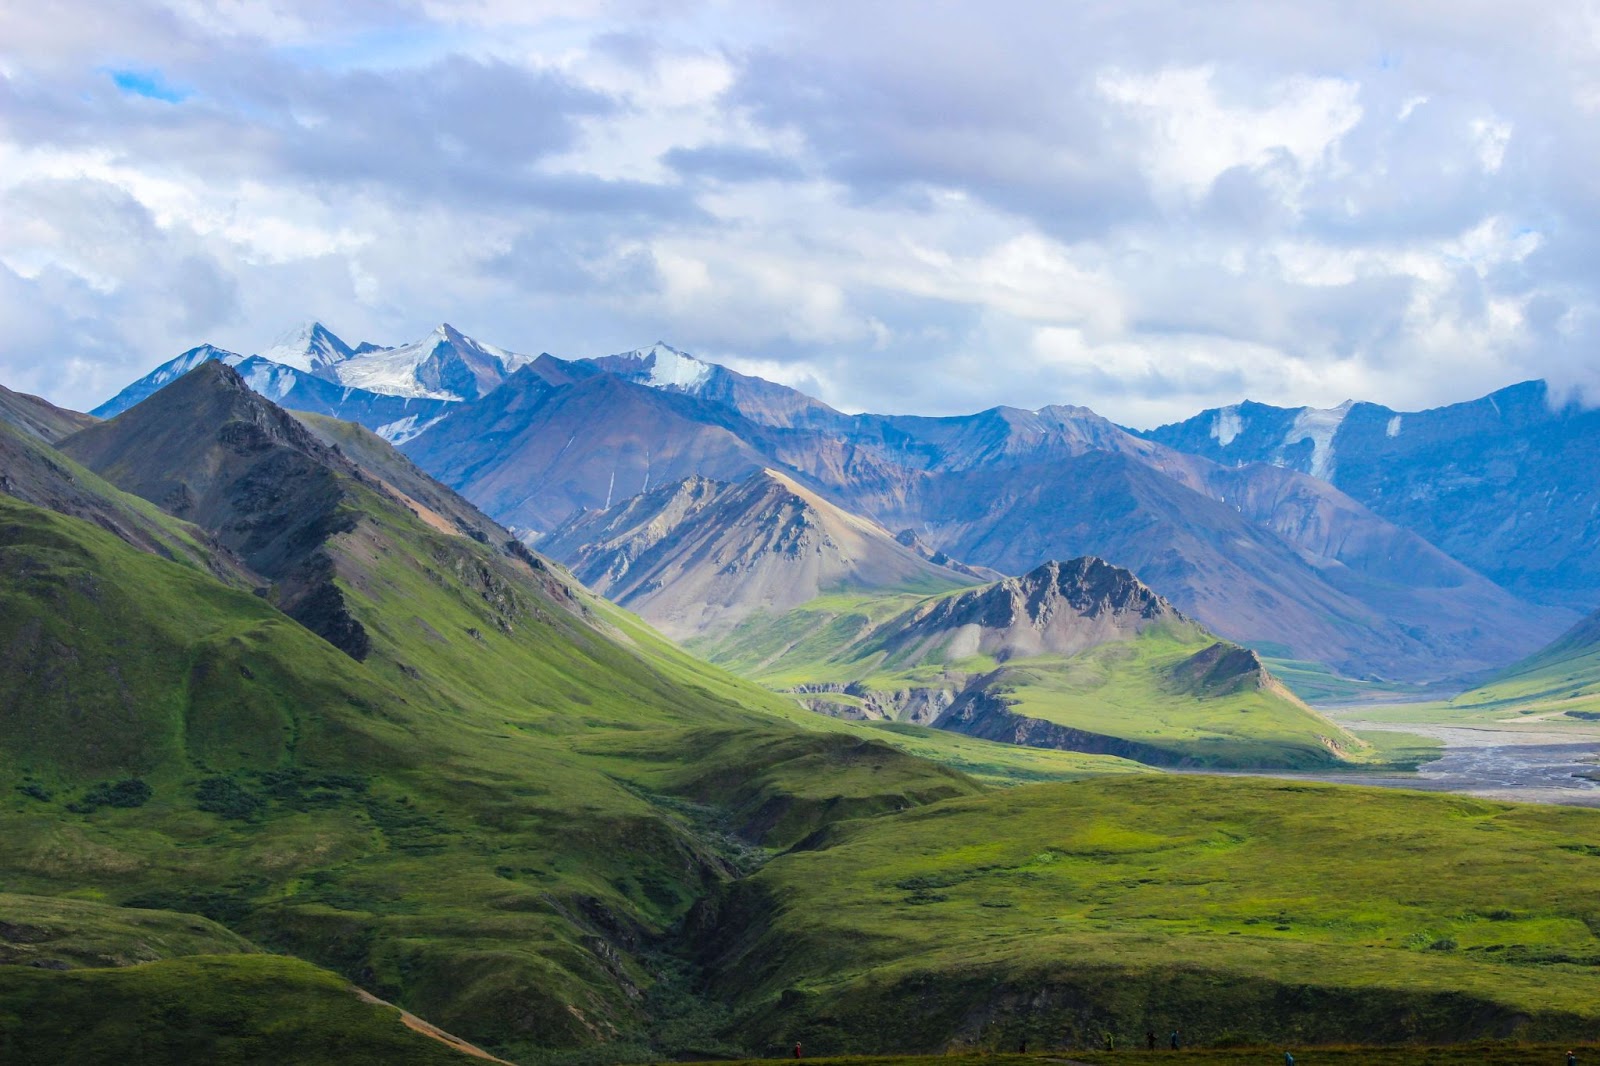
(916, 705)
(1055, 609)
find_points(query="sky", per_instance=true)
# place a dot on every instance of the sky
(1147, 208)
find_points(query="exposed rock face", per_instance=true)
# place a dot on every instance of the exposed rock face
(1055, 609)
(697, 556)
(1262, 554)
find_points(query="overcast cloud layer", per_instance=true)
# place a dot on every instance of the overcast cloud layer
(1146, 208)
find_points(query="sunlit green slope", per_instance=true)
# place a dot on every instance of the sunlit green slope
(1238, 910)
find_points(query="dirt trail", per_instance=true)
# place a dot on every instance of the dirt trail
(430, 1030)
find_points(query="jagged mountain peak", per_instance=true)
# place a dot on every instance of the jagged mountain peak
(1057, 608)
(444, 365)
(1087, 585)
(310, 347)
(210, 450)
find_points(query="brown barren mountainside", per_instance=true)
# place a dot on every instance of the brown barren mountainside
(696, 557)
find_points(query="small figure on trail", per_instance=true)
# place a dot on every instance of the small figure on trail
(1288, 1059)
(1150, 1039)
(1174, 1041)
(1572, 1058)
(798, 1051)
(1022, 1046)
(1111, 1042)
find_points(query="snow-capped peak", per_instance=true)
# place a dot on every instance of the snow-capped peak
(308, 347)
(444, 365)
(176, 368)
(666, 367)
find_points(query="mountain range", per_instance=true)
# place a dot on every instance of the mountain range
(1259, 551)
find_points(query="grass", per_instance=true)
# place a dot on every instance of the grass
(1242, 911)
(1123, 690)
(491, 820)
(56, 933)
(1495, 1053)
(223, 1010)
(1317, 683)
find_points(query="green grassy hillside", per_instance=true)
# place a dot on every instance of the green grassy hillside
(228, 1010)
(1562, 678)
(54, 933)
(1238, 910)
(459, 846)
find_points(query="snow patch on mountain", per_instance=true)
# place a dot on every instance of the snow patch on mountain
(1393, 428)
(273, 382)
(1227, 425)
(1319, 425)
(404, 429)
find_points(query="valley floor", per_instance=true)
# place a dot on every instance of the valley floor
(1535, 758)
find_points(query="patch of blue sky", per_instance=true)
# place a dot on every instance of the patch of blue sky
(150, 84)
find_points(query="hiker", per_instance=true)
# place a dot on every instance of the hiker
(797, 1050)
(1022, 1046)
(1288, 1059)
(1572, 1058)
(1111, 1042)
(1150, 1039)
(1173, 1039)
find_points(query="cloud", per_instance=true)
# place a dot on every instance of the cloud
(1145, 207)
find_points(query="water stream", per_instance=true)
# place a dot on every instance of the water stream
(1527, 765)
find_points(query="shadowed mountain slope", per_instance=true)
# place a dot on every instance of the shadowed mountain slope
(38, 418)
(695, 557)
(1501, 483)
(211, 451)
(35, 473)
(533, 453)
